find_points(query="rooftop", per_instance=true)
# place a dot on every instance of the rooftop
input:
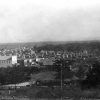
(5, 57)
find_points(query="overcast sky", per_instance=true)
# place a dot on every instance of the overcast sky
(49, 20)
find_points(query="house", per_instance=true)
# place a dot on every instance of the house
(45, 61)
(6, 61)
(29, 62)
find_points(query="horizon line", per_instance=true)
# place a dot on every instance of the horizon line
(52, 41)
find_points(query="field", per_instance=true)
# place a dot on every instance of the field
(46, 93)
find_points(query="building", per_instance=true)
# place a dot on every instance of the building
(6, 61)
(46, 61)
(14, 59)
(29, 62)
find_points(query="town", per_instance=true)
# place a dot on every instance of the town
(50, 68)
(29, 56)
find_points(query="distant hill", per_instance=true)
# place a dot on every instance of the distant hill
(71, 46)
(50, 45)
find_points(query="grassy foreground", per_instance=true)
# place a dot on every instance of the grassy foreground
(47, 93)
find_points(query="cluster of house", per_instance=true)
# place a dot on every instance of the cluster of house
(9, 61)
(25, 56)
(30, 57)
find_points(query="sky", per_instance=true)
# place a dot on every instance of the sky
(49, 20)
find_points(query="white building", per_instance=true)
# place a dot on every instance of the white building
(14, 59)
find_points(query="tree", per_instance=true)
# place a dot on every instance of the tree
(93, 77)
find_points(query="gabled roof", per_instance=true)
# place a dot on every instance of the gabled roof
(5, 57)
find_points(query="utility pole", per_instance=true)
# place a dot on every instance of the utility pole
(61, 64)
(62, 68)
(61, 78)
(61, 82)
